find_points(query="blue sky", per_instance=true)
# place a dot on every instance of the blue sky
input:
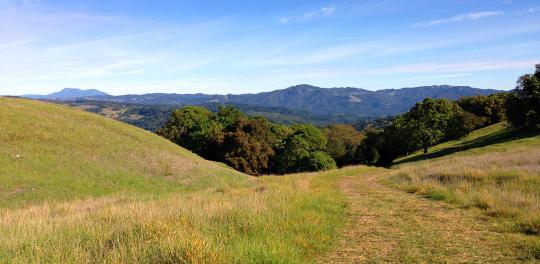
(126, 46)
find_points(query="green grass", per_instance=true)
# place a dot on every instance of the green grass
(80, 188)
(485, 140)
(53, 153)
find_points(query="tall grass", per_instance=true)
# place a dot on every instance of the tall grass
(280, 220)
(505, 185)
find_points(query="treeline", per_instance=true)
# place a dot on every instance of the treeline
(257, 146)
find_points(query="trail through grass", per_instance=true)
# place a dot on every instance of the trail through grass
(388, 225)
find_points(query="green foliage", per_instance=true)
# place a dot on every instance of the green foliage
(343, 141)
(428, 122)
(194, 128)
(247, 147)
(303, 150)
(489, 109)
(523, 104)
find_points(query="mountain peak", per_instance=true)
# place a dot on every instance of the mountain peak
(68, 93)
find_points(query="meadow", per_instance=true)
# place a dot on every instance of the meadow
(493, 172)
(80, 188)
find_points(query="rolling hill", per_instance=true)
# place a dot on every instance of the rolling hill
(53, 152)
(77, 187)
(312, 99)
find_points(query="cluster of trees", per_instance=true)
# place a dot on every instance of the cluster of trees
(437, 120)
(257, 146)
(249, 144)
(523, 104)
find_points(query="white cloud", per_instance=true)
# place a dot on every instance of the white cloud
(441, 76)
(459, 18)
(324, 11)
(449, 68)
(328, 10)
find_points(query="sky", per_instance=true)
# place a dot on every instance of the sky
(201, 46)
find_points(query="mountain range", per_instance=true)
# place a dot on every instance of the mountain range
(312, 99)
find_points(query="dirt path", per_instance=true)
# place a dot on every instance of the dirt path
(389, 225)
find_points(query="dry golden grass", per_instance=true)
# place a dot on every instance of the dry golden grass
(504, 184)
(501, 181)
(274, 222)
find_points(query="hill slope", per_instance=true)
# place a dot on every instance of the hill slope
(53, 152)
(474, 200)
(316, 100)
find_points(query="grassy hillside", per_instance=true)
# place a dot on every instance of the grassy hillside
(50, 152)
(80, 188)
(495, 170)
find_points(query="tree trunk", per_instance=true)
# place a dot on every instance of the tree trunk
(425, 150)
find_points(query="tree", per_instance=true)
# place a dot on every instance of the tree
(194, 128)
(247, 147)
(342, 142)
(368, 151)
(489, 109)
(303, 150)
(227, 116)
(523, 104)
(429, 120)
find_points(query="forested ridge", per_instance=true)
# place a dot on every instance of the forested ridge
(257, 146)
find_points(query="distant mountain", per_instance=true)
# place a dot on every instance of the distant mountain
(316, 100)
(67, 93)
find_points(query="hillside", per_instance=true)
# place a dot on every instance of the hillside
(314, 100)
(81, 188)
(52, 152)
(473, 200)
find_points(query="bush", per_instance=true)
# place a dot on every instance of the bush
(318, 161)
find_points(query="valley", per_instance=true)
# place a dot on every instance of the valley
(129, 208)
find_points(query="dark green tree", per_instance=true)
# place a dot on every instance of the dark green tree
(303, 150)
(523, 104)
(247, 147)
(490, 109)
(343, 140)
(428, 122)
(194, 128)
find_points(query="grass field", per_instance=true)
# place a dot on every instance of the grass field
(80, 188)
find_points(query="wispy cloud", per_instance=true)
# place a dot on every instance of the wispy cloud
(440, 76)
(459, 18)
(309, 15)
(448, 68)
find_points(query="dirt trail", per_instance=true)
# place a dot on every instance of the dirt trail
(389, 225)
